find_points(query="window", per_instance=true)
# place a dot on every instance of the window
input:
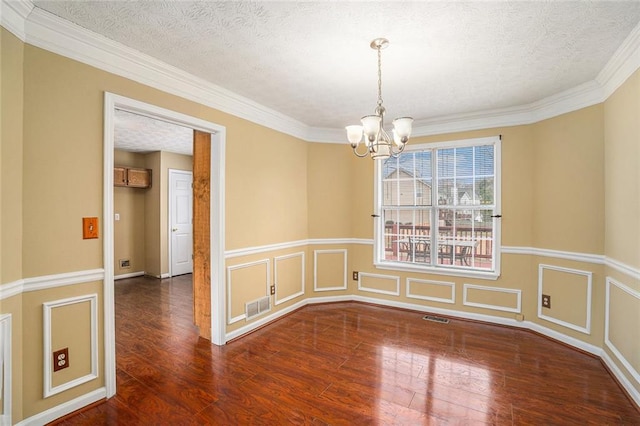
(438, 204)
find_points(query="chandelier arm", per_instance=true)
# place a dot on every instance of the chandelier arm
(355, 151)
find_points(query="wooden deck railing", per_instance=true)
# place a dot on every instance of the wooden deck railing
(483, 235)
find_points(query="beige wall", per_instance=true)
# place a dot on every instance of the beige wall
(153, 217)
(11, 169)
(329, 191)
(568, 202)
(622, 220)
(11, 91)
(266, 187)
(128, 232)
(622, 173)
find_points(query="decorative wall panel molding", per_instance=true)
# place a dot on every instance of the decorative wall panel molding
(5, 368)
(628, 291)
(586, 328)
(395, 283)
(276, 277)
(230, 269)
(48, 307)
(323, 286)
(515, 309)
(430, 283)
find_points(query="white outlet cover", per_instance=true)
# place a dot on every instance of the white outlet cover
(117, 216)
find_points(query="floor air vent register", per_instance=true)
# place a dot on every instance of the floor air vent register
(436, 319)
(257, 307)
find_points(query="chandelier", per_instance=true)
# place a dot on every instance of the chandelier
(377, 141)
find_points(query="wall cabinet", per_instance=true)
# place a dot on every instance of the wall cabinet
(131, 177)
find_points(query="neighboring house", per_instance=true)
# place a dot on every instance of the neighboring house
(403, 188)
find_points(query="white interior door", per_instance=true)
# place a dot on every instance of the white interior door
(181, 221)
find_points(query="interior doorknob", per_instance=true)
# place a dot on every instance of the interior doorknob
(174, 229)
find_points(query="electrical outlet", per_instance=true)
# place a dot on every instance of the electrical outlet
(355, 275)
(546, 301)
(60, 359)
(273, 289)
(125, 264)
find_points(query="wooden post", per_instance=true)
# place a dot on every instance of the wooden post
(202, 233)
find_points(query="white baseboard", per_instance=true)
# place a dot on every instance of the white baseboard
(63, 409)
(622, 379)
(129, 275)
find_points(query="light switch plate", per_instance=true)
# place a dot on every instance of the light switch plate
(89, 227)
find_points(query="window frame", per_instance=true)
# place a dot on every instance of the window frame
(379, 226)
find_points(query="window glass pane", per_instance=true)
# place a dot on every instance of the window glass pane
(484, 190)
(463, 192)
(446, 192)
(389, 166)
(482, 255)
(423, 165)
(402, 184)
(406, 194)
(390, 191)
(446, 162)
(464, 161)
(484, 157)
(417, 241)
(391, 234)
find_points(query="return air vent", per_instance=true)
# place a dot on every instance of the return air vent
(436, 319)
(257, 307)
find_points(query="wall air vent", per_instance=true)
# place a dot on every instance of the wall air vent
(436, 319)
(257, 307)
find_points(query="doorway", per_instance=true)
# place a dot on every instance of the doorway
(217, 184)
(180, 222)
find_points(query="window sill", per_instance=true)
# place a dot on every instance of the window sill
(392, 266)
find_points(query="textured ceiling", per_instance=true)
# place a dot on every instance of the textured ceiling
(137, 133)
(311, 60)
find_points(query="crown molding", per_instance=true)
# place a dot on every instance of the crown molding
(624, 62)
(13, 16)
(52, 33)
(47, 31)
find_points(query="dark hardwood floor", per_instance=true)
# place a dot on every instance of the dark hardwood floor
(343, 363)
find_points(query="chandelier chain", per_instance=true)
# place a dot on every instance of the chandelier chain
(379, 76)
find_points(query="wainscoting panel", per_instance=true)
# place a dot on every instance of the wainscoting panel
(435, 291)
(621, 331)
(495, 298)
(5, 369)
(382, 284)
(288, 276)
(570, 291)
(70, 323)
(329, 270)
(246, 282)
